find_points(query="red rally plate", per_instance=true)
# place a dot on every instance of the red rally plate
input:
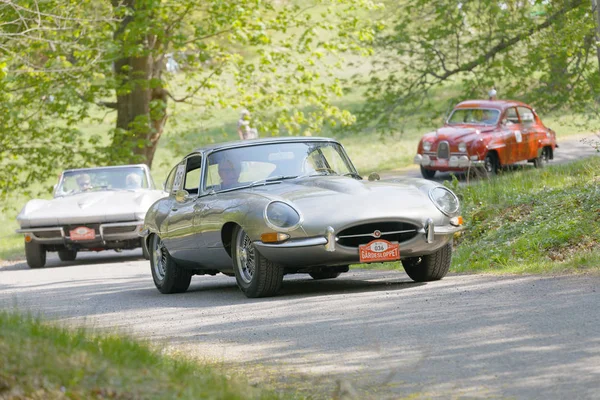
(379, 250)
(82, 233)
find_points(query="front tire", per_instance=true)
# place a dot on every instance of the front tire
(35, 254)
(491, 165)
(428, 268)
(427, 173)
(256, 276)
(167, 275)
(67, 255)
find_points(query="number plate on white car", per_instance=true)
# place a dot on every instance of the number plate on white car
(379, 250)
(82, 233)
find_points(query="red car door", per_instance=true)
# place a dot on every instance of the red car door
(530, 133)
(513, 137)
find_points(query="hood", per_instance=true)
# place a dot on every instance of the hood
(344, 199)
(460, 133)
(90, 207)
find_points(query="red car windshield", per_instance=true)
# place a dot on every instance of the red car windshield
(474, 116)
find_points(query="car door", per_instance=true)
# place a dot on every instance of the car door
(513, 137)
(530, 133)
(182, 239)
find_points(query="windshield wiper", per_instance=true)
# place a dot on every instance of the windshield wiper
(272, 179)
(353, 175)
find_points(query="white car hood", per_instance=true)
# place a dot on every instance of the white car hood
(90, 207)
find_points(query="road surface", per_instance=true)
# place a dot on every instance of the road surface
(377, 332)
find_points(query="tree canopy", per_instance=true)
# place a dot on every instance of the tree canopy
(68, 62)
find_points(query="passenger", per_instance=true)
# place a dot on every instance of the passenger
(84, 182)
(229, 172)
(133, 181)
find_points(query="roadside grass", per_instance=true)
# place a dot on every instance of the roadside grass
(41, 360)
(532, 221)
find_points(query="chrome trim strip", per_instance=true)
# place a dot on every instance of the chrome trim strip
(373, 235)
(447, 230)
(315, 241)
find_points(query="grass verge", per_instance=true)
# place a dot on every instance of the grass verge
(532, 221)
(39, 360)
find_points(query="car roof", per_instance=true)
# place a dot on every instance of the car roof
(495, 104)
(257, 142)
(107, 167)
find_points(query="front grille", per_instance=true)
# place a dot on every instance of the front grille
(48, 235)
(391, 231)
(443, 150)
(113, 230)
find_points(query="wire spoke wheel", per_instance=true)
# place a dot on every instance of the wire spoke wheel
(245, 257)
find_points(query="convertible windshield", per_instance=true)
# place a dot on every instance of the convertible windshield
(474, 116)
(94, 179)
(268, 163)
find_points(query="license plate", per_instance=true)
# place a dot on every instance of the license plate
(379, 250)
(441, 162)
(82, 233)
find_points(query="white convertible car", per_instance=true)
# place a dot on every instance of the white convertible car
(93, 209)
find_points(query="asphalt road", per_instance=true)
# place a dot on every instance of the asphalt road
(376, 332)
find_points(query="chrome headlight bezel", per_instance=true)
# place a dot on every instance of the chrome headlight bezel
(427, 145)
(445, 200)
(462, 147)
(293, 214)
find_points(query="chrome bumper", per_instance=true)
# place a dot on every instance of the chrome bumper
(324, 250)
(102, 236)
(453, 161)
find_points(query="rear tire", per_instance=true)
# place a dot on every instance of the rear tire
(167, 275)
(35, 254)
(428, 268)
(67, 255)
(543, 159)
(427, 173)
(256, 276)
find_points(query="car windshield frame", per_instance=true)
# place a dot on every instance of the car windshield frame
(146, 182)
(273, 177)
(482, 123)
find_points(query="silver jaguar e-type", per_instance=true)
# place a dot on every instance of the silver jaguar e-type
(93, 209)
(260, 209)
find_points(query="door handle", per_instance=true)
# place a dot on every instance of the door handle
(174, 208)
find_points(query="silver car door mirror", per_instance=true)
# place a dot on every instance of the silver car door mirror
(181, 195)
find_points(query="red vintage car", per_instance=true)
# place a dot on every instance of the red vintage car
(486, 134)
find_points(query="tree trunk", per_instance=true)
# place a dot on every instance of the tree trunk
(141, 110)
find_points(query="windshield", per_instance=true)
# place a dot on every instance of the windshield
(86, 180)
(474, 116)
(253, 165)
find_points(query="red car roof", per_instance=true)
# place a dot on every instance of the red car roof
(497, 104)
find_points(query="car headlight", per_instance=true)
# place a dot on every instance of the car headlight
(462, 147)
(426, 146)
(444, 200)
(282, 216)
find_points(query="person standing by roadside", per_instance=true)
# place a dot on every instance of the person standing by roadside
(243, 127)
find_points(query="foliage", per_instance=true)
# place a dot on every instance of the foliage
(540, 52)
(38, 360)
(532, 221)
(63, 61)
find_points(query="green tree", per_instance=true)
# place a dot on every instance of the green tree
(538, 51)
(63, 60)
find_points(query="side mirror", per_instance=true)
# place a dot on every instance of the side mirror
(181, 195)
(374, 176)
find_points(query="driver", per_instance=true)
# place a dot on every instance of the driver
(133, 181)
(84, 182)
(229, 171)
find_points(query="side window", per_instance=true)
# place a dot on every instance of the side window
(192, 174)
(169, 182)
(511, 115)
(526, 115)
